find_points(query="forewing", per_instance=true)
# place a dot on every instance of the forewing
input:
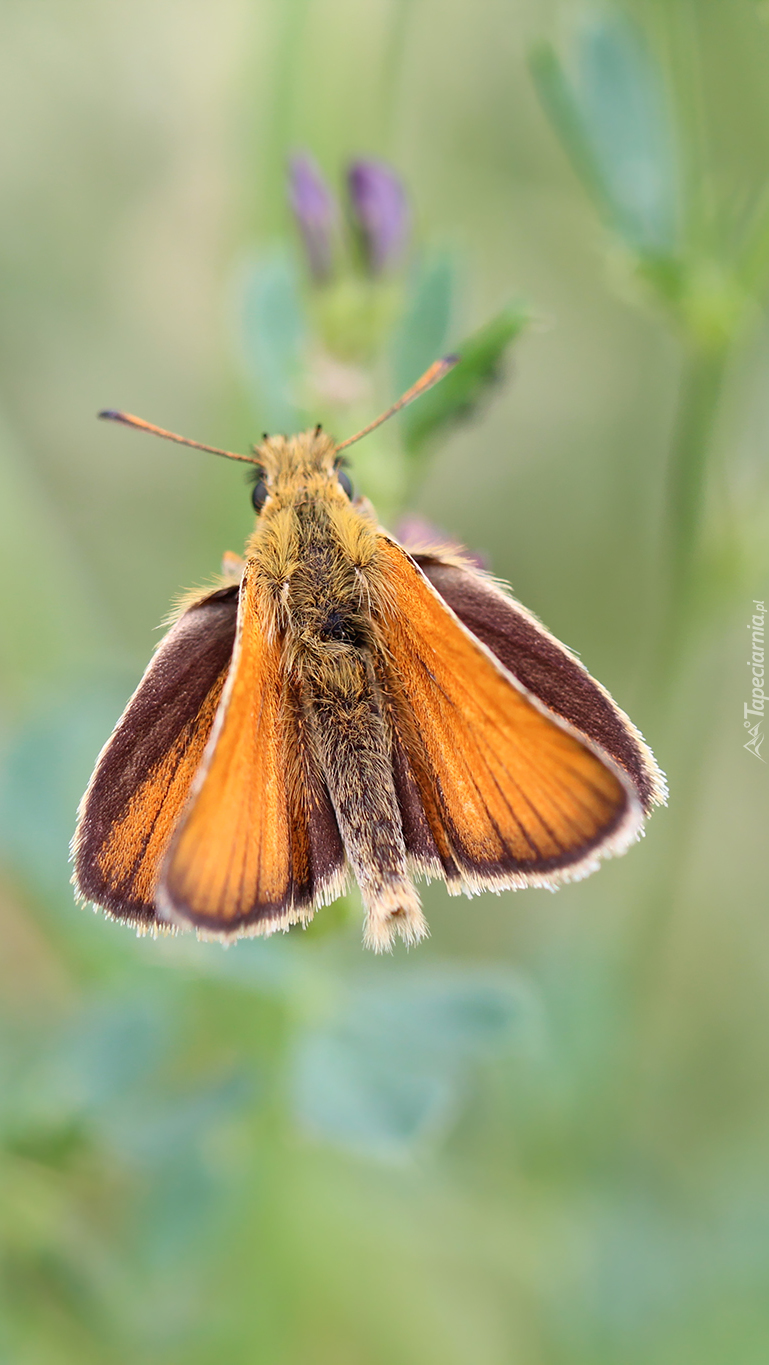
(494, 790)
(144, 773)
(546, 668)
(258, 846)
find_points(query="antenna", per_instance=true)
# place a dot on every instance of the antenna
(130, 421)
(430, 377)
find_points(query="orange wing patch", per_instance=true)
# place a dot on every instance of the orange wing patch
(514, 793)
(243, 858)
(138, 841)
(144, 773)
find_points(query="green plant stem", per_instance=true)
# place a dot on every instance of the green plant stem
(392, 68)
(291, 21)
(685, 684)
(701, 386)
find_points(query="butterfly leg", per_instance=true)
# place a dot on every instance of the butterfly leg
(232, 566)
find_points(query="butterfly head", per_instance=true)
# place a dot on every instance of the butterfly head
(299, 471)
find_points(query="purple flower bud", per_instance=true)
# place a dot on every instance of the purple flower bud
(315, 211)
(381, 212)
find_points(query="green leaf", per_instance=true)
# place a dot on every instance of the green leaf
(611, 115)
(274, 331)
(386, 1072)
(44, 769)
(562, 108)
(457, 396)
(421, 336)
(360, 1099)
(107, 1055)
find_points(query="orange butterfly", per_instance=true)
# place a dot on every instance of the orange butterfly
(340, 706)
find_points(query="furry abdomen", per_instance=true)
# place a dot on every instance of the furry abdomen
(329, 640)
(353, 745)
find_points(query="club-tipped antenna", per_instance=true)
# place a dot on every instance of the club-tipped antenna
(129, 420)
(430, 377)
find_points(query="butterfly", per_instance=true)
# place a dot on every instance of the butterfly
(339, 707)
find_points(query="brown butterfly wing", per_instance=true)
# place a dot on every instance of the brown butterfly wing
(144, 773)
(258, 846)
(495, 791)
(546, 668)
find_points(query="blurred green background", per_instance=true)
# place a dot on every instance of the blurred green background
(541, 1138)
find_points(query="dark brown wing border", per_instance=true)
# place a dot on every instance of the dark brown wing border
(546, 668)
(184, 680)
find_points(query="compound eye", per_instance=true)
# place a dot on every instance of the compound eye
(259, 495)
(344, 483)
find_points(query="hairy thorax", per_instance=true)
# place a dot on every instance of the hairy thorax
(318, 564)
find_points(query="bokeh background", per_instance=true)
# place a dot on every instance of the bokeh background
(540, 1139)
